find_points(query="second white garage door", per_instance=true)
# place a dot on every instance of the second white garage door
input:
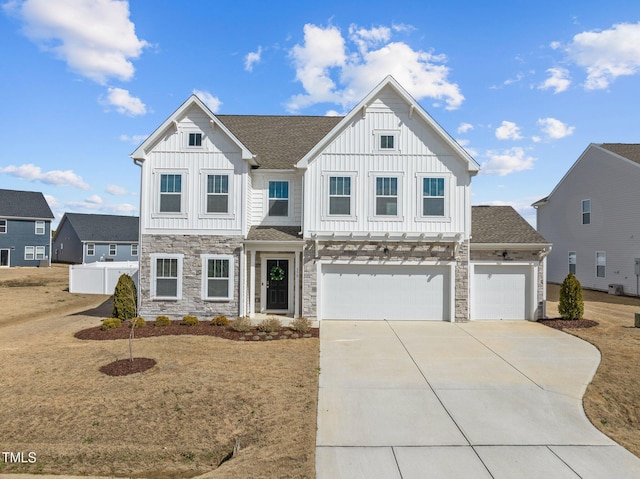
(501, 292)
(384, 292)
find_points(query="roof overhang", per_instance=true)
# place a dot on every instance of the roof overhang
(28, 218)
(520, 246)
(393, 237)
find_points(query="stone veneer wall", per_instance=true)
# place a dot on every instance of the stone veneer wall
(192, 246)
(517, 255)
(374, 251)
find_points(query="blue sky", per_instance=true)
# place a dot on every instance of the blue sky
(524, 86)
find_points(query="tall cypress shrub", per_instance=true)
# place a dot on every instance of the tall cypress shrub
(571, 304)
(125, 298)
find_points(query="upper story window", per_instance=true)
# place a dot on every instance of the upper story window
(433, 199)
(340, 195)
(601, 264)
(386, 196)
(134, 249)
(40, 229)
(91, 249)
(217, 277)
(217, 193)
(170, 193)
(278, 198)
(3, 226)
(195, 140)
(586, 212)
(113, 249)
(572, 262)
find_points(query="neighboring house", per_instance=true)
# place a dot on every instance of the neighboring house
(87, 238)
(366, 216)
(25, 228)
(592, 217)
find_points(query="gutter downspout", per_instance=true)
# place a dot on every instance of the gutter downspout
(543, 258)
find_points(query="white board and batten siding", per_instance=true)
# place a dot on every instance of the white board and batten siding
(419, 152)
(260, 197)
(171, 155)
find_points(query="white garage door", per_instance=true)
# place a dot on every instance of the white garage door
(384, 292)
(501, 292)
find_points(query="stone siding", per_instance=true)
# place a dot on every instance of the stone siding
(192, 247)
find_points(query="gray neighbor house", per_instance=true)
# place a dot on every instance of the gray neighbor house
(87, 238)
(25, 228)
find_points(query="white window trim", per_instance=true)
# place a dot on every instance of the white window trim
(91, 249)
(290, 206)
(604, 253)
(326, 179)
(377, 134)
(184, 195)
(575, 261)
(372, 202)
(448, 197)
(582, 212)
(29, 253)
(134, 246)
(42, 225)
(204, 280)
(115, 249)
(40, 253)
(154, 257)
(6, 225)
(189, 131)
(204, 173)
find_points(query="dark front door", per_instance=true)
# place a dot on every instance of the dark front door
(277, 284)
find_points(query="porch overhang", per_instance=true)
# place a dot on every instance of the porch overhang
(389, 236)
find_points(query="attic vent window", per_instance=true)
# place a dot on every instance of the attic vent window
(195, 139)
(387, 142)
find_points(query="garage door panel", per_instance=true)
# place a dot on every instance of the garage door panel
(384, 292)
(501, 292)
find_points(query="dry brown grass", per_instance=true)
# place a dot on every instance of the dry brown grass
(179, 419)
(612, 400)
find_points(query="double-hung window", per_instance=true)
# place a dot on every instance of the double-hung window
(166, 280)
(3, 226)
(278, 198)
(586, 212)
(340, 195)
(91, 249)
(40, 252)
(170, 193)
(433, 199)
(601, 264)
(386, 197)
(134, 249)
(572, 262)
(217, 193)
(40, 229)
(29, 253)
(113, 249)
(217, 277)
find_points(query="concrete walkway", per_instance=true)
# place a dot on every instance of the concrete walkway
(409, 400)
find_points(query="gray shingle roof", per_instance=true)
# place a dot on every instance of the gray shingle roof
(279, 141)
(501, 224)
(24, 204)
(630, 151)
(274, 233)
(104, 228)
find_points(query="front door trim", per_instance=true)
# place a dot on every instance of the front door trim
(263, 281)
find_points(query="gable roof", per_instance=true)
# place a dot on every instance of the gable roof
(501, 225)
(102, 228)
(141, 152)
(24, 204)
(278, 142)
(389, 81)
(621, 151)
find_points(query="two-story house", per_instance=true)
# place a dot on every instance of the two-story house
(88, 238)
(593, 220)
(25, 228)
(366, 216)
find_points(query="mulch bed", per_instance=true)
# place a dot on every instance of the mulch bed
(203, 328)
(124, 367)
(557, 323)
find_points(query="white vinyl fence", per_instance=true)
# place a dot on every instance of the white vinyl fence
(100, 277)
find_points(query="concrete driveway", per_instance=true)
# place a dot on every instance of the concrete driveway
(411, 400)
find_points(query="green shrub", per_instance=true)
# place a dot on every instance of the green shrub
(270, 325)
(189, 320)
(220, 321)
(138, 322)
(125, 298)
(301, 324)
(571, 305)
(163, 321)
(110, 323)
(241, 324)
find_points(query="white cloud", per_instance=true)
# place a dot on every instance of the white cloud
(133, 139)
(251, 58)
(330, 72)
(465, 144)
(508, 130)
(607, 54)
(213, 102)
(94, 200)
(555, 129)
(558, 80)
(51, 201)
(116, 190)
(333, 113)
(124, 103)
(31, 172)
(95, 38)
(91, 205)
(505, 162)
(464, 128)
